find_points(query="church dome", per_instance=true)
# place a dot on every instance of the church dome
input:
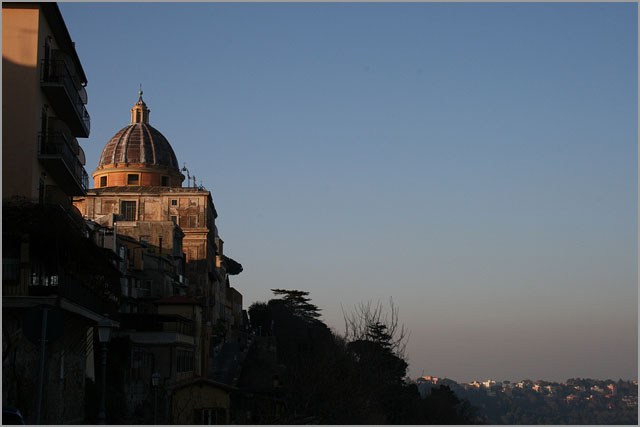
(139, 143)
(138, 154)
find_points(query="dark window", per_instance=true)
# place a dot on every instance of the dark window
(43, 129)
(133, 179)
(41, 191)
(103, 181)
(165, 181)
(128, 211)
(185, 361)
(10, 269)
(174, 219)
(47, 58)
(174, 202)
(141, 361)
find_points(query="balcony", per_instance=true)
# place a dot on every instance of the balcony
(66, 96)
(61, 286)
(148, 328)
(56, 154)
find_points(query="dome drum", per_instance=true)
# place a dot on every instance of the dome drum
(131, 174)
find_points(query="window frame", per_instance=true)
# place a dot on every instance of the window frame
(124, 210)
(136, 175)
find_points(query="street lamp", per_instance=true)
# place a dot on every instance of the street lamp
(155, 382)
(105, 326)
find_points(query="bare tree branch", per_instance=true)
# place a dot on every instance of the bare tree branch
(359, 322)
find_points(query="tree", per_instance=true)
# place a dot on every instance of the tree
(370, 322)
(378, 342)
(442, 406)
(356, 379)
(375, 351)
(298, 303)
(260, 318)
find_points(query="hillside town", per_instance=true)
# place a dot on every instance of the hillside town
(575, 401)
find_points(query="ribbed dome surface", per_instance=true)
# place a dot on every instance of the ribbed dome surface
(139, 143)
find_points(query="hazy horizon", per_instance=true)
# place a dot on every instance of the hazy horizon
(476, 162)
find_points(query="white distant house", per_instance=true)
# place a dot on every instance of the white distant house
(488, 384)
(428, 379)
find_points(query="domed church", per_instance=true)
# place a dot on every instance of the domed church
(138, 154)
(138, 193)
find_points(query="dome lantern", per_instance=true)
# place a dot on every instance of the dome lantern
(140, 112)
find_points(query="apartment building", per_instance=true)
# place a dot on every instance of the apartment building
(56, 284)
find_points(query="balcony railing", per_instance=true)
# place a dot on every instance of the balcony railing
(53, 148)
(74, 291)
(157, 323)
(57, 78)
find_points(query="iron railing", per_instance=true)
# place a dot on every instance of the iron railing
(57, 144)
(57, 71)
(73, 290)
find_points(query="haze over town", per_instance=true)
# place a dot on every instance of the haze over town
(476, 162)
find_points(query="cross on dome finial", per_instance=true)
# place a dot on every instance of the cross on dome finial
(140, 91)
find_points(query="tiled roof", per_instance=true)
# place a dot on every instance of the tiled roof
(139, 143)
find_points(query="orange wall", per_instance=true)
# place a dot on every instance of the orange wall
(148, 176)
(24, 29)
(21, 101)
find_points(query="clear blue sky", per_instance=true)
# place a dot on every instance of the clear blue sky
(476, 162)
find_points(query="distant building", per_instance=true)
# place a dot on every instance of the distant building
(488, 384)
(426, 384)
(630, 401)
(572, 398)
(429, 379)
